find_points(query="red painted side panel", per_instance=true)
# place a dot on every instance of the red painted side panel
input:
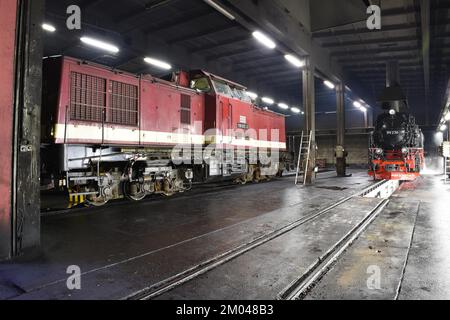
(166, 112)
(159, 107)
(8, 11)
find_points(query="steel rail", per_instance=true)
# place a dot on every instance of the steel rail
(299, 288)
(187, 275)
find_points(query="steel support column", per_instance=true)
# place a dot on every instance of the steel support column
(28, 127)
(425, 26)
(8, 21)
(341, 153)
(310, 116)
(340, 108)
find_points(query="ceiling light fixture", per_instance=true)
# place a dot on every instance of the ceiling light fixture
(220, 9)
(252, 95)
(265, 40)
(329, 84)
(294, 61)
(158, 63)
(48, 27)
(268, 101)
(283, 106)
(100, 44)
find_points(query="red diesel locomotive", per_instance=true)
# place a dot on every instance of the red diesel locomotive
(108, 134)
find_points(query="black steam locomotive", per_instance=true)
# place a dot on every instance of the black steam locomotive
(397, 130)
(396, 148)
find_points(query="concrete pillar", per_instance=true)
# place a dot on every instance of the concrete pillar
(8, 20)
(341, 153)
(310, 116)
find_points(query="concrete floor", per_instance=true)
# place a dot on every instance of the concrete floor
(124, 248)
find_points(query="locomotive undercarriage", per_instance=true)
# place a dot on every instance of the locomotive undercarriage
(95, 175)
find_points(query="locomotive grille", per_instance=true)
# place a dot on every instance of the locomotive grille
(185, 109)
(123, 104)
(87, 97)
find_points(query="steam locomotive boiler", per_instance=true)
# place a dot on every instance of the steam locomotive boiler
(108, 134)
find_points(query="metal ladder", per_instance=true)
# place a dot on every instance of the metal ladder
(446, 169)
(305, 147)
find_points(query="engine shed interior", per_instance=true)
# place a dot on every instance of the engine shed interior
(224, 149)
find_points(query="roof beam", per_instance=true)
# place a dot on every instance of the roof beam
(223, 44)
(380, 67)
(273, 74)
(393, 27)
(425, 25)
(373, 51)
(247, 63)
(87, 4)
(202, 34)
(183, 20)
(380, 58)
(394, 40)
(290, 33)
(230, 54)
(142, 11)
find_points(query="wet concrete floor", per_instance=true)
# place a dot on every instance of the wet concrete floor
(124, 248)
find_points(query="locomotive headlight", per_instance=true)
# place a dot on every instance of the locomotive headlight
(405, 150)
(379, 151)
(392, 112)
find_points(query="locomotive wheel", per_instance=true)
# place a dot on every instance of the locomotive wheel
(96, 201)
(133, 191)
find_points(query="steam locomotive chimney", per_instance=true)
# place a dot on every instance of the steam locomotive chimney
(393, 96)
(393, 80)
(392, 74)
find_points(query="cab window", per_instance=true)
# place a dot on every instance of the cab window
(222, 88)
(241, 95)
(201, 84)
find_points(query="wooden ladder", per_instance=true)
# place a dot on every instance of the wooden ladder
(305, 148)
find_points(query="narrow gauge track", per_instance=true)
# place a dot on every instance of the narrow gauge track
(198, 189)
(300, 288)
(179, 279)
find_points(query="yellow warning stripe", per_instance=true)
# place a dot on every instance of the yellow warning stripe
(75, 200)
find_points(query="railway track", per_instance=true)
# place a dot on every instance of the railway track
(296, 288)
(199, 189)
(300, 288)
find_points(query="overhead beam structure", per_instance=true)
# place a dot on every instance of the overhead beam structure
(425, 25)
